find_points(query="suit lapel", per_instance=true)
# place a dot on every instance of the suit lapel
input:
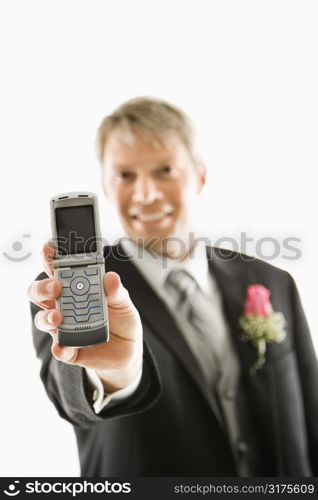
(233, 277)
(232, 284)
(233, 280)
(155, 314)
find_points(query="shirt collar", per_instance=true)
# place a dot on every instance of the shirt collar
(156, 268)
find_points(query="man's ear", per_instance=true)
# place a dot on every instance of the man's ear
(201, 176)
(105, 184)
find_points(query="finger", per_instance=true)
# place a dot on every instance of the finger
(65, 354)
(48, 252)
(48, 321)
(45, 292)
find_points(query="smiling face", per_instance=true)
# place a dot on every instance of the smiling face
(153, 187)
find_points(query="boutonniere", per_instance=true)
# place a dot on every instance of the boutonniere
(260, 324)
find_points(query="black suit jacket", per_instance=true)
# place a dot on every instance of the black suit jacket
(172, 425)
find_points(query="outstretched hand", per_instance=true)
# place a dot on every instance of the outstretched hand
(118, 361)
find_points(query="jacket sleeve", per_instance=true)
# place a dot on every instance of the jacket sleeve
(308, 370)
(68, 388)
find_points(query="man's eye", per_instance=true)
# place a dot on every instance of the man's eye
(124, 175)
(166, 169)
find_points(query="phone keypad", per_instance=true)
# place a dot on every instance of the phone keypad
(80, 301)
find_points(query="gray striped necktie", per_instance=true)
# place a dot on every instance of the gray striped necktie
(205, 336)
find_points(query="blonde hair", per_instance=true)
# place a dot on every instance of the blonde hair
(153, 118)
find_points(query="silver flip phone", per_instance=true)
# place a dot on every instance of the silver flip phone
(79, 265)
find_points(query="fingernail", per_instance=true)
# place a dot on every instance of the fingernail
(50, 287)
(67, 353)
(50, 317)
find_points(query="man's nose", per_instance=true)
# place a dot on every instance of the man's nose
(146, 191)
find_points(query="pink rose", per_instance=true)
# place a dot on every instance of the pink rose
(257, 300)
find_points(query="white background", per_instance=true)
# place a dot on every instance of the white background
(246, 71)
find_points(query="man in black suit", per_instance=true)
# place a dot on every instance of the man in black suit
(168, 395)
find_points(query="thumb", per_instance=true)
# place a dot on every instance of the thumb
(124, 319)
(117, 294)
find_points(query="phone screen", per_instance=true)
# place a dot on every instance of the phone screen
(75, 230)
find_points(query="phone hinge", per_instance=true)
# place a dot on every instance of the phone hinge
(80, 261)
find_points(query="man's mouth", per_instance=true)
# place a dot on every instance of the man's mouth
(154, 217)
